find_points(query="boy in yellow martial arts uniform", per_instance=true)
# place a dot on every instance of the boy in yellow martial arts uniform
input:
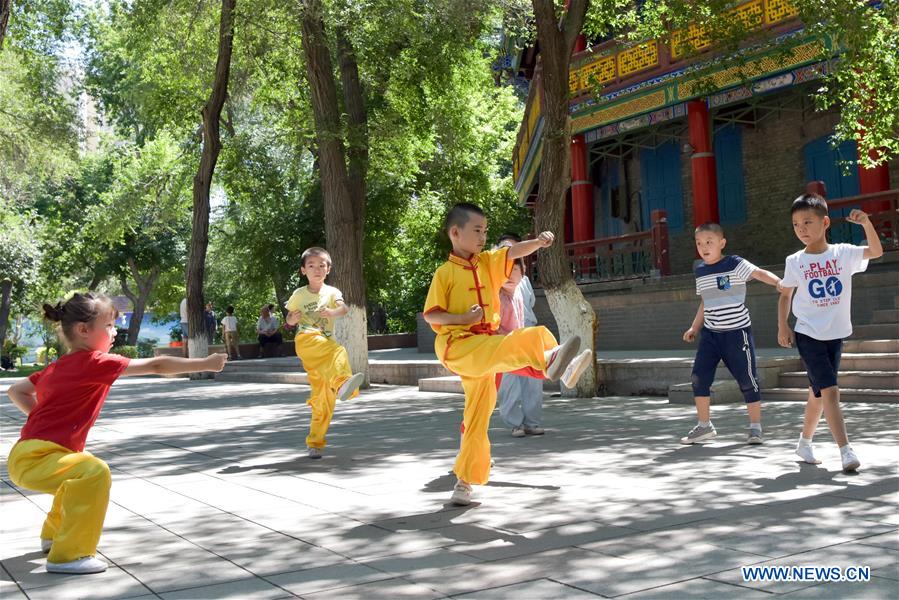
(313, 309)
(463, 309)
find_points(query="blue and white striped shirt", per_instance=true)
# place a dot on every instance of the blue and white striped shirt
(722, 287)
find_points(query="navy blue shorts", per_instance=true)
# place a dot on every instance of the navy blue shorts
(737, 351)
(821, 359)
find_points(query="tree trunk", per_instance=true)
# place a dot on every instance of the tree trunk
(572, 312)
(5, 8)
(138, 300)
(5, 302)
(199, 237)
(343, 196)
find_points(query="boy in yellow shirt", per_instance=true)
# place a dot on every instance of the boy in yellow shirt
(463, 309)
(313, 308)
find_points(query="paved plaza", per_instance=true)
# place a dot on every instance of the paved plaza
(213, 497)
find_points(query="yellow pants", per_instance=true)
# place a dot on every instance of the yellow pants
(328, 367)
(79, 482)
(477, 359)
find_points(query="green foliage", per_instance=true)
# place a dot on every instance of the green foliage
(126, 351)
(43, 356)
(13, 351)
(145, 347)
(19, 252)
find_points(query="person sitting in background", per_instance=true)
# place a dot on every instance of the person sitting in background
(267, 329)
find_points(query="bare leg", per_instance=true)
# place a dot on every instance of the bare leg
(813, 409)
(834, 415)
(755, 412)
(703, 411)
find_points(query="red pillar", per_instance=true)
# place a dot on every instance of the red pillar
(702, 162)
(874, 180)
(581, 192)
(580, 217)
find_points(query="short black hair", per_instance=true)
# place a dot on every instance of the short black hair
(230, 310)
(510, 236)
(314, 251)
(459, 215)
(812, 202)
(710, 227)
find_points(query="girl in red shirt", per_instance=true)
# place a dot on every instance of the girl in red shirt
(62, 402)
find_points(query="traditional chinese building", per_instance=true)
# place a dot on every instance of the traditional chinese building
(702, 138)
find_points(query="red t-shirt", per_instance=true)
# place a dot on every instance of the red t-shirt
(70, 394)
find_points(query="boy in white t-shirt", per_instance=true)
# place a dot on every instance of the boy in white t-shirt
(821, 276)
(229, 333)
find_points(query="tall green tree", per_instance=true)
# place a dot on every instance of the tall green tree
(19, 261)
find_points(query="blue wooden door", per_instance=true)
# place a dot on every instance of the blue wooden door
(838, 169)
(729, 171)
(609, 183)
(660, 173)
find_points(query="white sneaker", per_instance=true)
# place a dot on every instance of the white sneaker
(850, 460)
(82, 566)
(45, 545)
(518, 432)
(577, 367)
(806, 453)
(560, 357)
(314, 453)
(461, 494)
(349, 386)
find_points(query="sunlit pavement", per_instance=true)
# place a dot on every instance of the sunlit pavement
(213, 497)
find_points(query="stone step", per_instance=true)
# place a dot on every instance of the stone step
(846, 395)
(267, 365)
(867, 361)
(875, 380)
(877, 346)
(890, 315)
(263, 377)
(875, 332)
(451, 384)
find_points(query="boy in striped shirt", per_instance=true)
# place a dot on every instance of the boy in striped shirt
(725, 333)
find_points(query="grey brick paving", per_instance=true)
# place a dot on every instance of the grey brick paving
(212, 498)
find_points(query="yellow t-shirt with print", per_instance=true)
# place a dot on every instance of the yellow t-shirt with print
(309, 303)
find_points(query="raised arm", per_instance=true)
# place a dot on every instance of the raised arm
(875, 248)
(338, 311)
(528, 247)
(173, 365)
(23, 395)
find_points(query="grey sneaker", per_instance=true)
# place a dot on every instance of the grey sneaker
(576, 368)
(314, 453)
(561, 356)
(534, 430)
(46, 545)
(349, 386)
(699, 433)
(755, 436)
(461, 494)
(517, 432)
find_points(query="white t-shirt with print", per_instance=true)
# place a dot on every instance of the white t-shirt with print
(823, 285)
